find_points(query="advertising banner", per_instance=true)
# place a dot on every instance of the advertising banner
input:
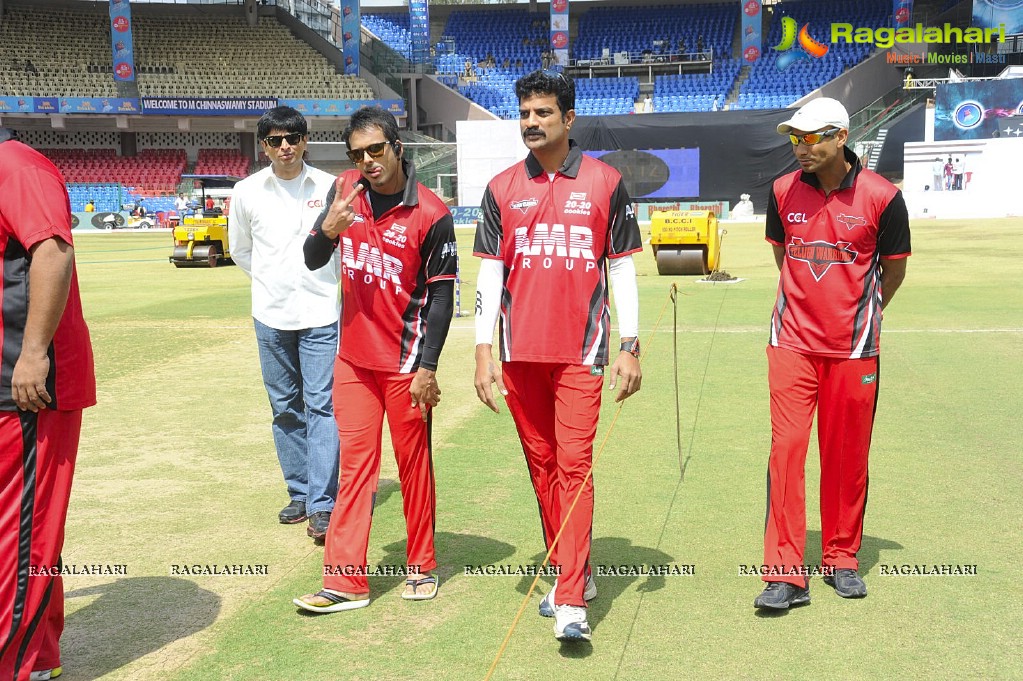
(99, 105)
(121, 40)
(22, 104)
(350, 35)
(341, 107)
(466, 215)
(559, 31)
(902, 12)
(752, 30)
(719, 208)
(419, 26)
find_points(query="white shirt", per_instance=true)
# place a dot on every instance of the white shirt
(180, 204)
(268, 228)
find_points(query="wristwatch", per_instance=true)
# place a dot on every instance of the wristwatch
(631, 347)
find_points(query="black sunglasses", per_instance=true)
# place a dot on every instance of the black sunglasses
(374, 150)
(292, 138)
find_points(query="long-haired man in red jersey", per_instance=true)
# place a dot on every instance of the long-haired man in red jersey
(398, 257)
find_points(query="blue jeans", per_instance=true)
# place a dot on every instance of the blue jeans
(298, 372)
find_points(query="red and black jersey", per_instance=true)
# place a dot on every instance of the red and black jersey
(829, 293)
(386, 264)
(34, 206)
(554, 237)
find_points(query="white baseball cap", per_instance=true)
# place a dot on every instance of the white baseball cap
(822, 112)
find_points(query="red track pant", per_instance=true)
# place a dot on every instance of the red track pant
(844, 392)
(37, 462)
(361, 398)
(556, 407)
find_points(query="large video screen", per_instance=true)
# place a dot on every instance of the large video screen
(656, 173)
(976, 109)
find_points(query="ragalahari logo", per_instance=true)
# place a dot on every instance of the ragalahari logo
(810, 47)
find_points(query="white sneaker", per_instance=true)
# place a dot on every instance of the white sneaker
(570, 623)
(46, 674)
(547, 604)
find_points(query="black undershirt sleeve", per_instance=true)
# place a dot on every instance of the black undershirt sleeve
(893, 228)
(774, 230)
(438, 321)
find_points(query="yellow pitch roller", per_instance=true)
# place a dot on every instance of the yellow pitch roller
(685, 241)
(200, 240)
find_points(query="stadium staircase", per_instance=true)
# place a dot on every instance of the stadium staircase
(876, 147)
(870, 124)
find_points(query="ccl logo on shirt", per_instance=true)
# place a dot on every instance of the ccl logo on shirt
(796, 218)
(556, 244)
(368, 264)
(314, 203)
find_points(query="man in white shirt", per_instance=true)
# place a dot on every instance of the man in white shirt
(295, 312)
(938, 173)
(958, 169)
(180, 204)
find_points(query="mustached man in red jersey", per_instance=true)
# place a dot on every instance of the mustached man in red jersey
(46, 380)
(398, 256)
(841, 238)
(555, 227)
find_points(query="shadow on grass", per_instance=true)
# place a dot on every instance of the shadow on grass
(454, 553)
(608, 555)
(869, 555)
(132, 618)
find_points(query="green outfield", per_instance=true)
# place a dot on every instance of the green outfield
(177, 476)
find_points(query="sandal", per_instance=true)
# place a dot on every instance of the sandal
(415, 584)
(337, 602)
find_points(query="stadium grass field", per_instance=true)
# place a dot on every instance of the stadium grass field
(177, 469)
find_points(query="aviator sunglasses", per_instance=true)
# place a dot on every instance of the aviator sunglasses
(276, 140)
(811, 138)
(374, 151)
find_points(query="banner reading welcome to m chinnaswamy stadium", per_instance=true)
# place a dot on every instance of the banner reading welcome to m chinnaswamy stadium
(559, 31)
(228, 106)
(752, 29)
(121, 47)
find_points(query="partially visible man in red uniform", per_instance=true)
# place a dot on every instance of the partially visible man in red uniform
(555, 227)
(398, 256)
(46, 379)
(841, 238)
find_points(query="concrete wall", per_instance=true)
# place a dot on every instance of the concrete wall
(445, 107)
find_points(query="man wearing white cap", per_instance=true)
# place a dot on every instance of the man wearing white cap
(841, 237)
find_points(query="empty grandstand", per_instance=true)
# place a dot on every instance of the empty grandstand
(204, 71)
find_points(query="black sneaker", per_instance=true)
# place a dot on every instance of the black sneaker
(781, 595)
(318, 524)
(847, 583)
(292, 513)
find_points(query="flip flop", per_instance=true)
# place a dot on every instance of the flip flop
(415, 584)
(337, 602)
